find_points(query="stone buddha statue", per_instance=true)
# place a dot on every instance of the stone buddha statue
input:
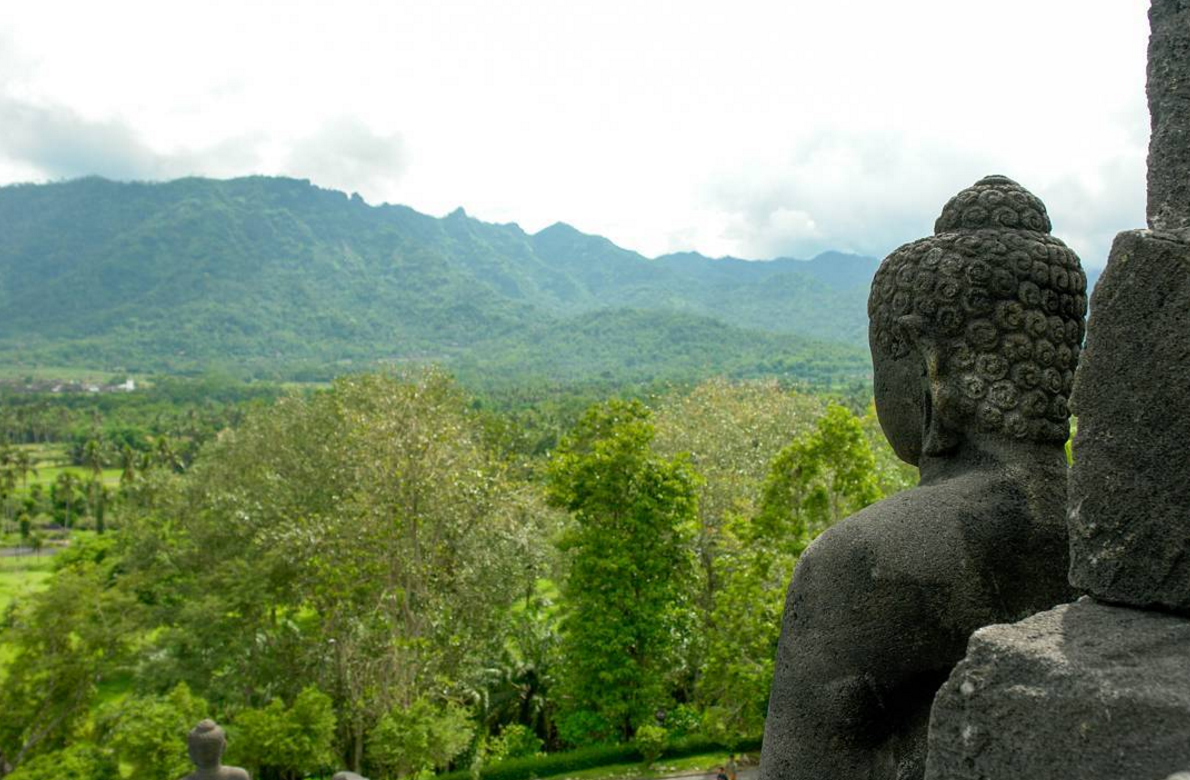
(975, 335)
(206, 743)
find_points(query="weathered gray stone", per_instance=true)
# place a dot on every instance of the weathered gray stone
(348, 776)
(1085, 691)
(206, 743)
(1169, 109)
(975, 332)
(1130, 486)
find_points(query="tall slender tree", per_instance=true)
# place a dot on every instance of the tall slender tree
(631, 568)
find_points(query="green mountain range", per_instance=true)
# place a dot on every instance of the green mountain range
(276, 277)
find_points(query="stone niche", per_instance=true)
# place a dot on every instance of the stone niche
(1100, 689)
(1129, 496)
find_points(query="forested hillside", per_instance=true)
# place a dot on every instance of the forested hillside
(276, 277)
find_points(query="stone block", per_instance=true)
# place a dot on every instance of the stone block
(1129, 491)
(1169, 107)
(1085, 691)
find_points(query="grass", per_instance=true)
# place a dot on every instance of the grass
(663, 768)
(20, 576)
(17, 372)
(47, 474)
(50, 460)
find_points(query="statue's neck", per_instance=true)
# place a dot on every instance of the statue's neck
(986, 454)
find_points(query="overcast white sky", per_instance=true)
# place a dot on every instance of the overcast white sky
(756, 129)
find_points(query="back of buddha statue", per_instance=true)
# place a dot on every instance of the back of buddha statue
(975, 335)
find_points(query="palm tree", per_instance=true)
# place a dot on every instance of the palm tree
(24, 466)
(64, 487)
(127, 465)
(93, 459)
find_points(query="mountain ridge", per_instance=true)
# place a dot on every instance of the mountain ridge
(269, 271)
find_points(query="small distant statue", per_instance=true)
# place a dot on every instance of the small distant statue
(975, 335)
(348, 776)
(206, 743)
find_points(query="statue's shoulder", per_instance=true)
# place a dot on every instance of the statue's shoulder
(234, 773)
(919, 534)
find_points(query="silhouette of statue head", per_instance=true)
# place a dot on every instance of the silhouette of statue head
(206, 743)
(976, 330)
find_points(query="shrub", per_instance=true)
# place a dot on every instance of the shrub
(80, 761)
(149, 732)
(515, 741)
(285, 742)
(418, 738)
(651, 741)
(589, 758)
(584, 728)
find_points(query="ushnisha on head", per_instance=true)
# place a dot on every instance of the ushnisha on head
(977, 329)
(206, 743)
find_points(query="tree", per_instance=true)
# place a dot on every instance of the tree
(127, 465)
(417, 738)
(627, 590)
(819, 478)
(148, 733)
(79, 761)
(286, 743)
(362, 539)
(67, 640)
(64, 495)
(732, 431)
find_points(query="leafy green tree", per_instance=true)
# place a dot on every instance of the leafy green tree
(66, 640)
(732, 431)
(416, 739)
(627, 589)
(362, 539)
(286, 743)
(819, 478)
(80, 760)
(148, 733)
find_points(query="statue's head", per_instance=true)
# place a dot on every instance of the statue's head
(976, 331)
(206, 743)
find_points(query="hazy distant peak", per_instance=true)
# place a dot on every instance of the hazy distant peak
(558, 229)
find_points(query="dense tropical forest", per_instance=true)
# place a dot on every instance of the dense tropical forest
(406, 576)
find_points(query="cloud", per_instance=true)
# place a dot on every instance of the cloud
(55, 142)
(59, 143)
(841, 190)
(868, 194)
(1089, 208)
(345, 154)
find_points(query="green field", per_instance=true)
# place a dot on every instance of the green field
(50, 460)
(17, 372)
(22, 575)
